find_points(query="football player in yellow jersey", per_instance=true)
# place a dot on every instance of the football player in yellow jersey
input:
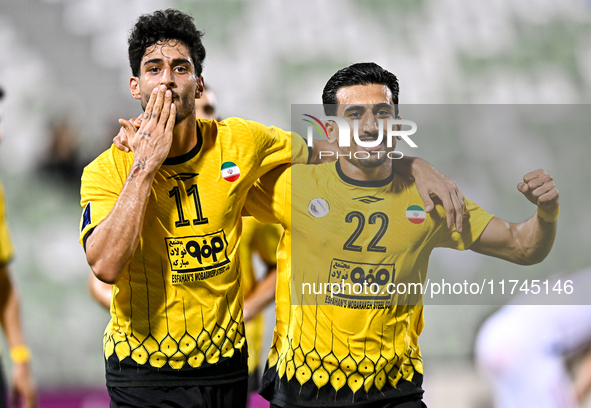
(162, 223)
(358, 222)
(258, 238)
(22, 387)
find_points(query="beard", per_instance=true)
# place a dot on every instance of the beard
(374, 160)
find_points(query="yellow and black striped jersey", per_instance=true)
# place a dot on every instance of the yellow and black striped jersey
(6, 251)
(358, 343)
(176, 312)
(261, 239)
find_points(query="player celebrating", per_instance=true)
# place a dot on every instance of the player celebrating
(163, 224)
(258, 238)
(22, 386)
(358, 221)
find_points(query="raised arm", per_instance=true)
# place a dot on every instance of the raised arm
(111, 245)
(528, 242)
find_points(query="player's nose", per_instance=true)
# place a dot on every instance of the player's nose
(167, 78)
(369, 123)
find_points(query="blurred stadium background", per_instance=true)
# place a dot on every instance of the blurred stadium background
(63, 64)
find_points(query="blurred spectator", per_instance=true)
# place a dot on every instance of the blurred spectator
(205, 107)
(62, 156)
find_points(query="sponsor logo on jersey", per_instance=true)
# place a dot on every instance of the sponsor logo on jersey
(356, 279)
(415, 214)
(368, 199)
(318, 207)
(230, 171)
(204, 256)
(183, 176)
(86, 217)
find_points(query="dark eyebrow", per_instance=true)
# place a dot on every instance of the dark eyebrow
(176, 61)
(179, 61)
(153, 61)
(379, 106)
(351, 108)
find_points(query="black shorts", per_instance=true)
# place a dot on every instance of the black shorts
(231, 395)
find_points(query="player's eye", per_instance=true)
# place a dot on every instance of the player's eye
(181, 69)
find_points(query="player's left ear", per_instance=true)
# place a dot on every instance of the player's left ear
(200, 88)
(332, 131)
(134, 87)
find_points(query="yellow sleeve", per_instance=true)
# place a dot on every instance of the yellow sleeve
(6, 250)
(276, 147)
(475, 221)
(102, 181)
(269, 199)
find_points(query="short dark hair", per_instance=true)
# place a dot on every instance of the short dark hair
(160, 26)
(363, 73)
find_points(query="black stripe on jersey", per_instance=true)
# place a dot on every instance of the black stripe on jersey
(361, 183)
(189, 155)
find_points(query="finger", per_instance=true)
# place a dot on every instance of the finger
(539, 181)
(126, 133)
(543, 189)
(522, 188)
(158, 104)
(171, 118)
(426, 199)
(136, 122)
(450, 212)
(150, 106)
(549, 196)
(532, 175)
(459, 206)
(165, 115)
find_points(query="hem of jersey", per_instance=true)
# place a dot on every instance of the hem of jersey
(189, 155)
(86, 237)
(364, 404)
(362, 183)
(180, 382)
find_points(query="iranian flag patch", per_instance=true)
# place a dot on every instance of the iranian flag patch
(415, 214)
(230, 172)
